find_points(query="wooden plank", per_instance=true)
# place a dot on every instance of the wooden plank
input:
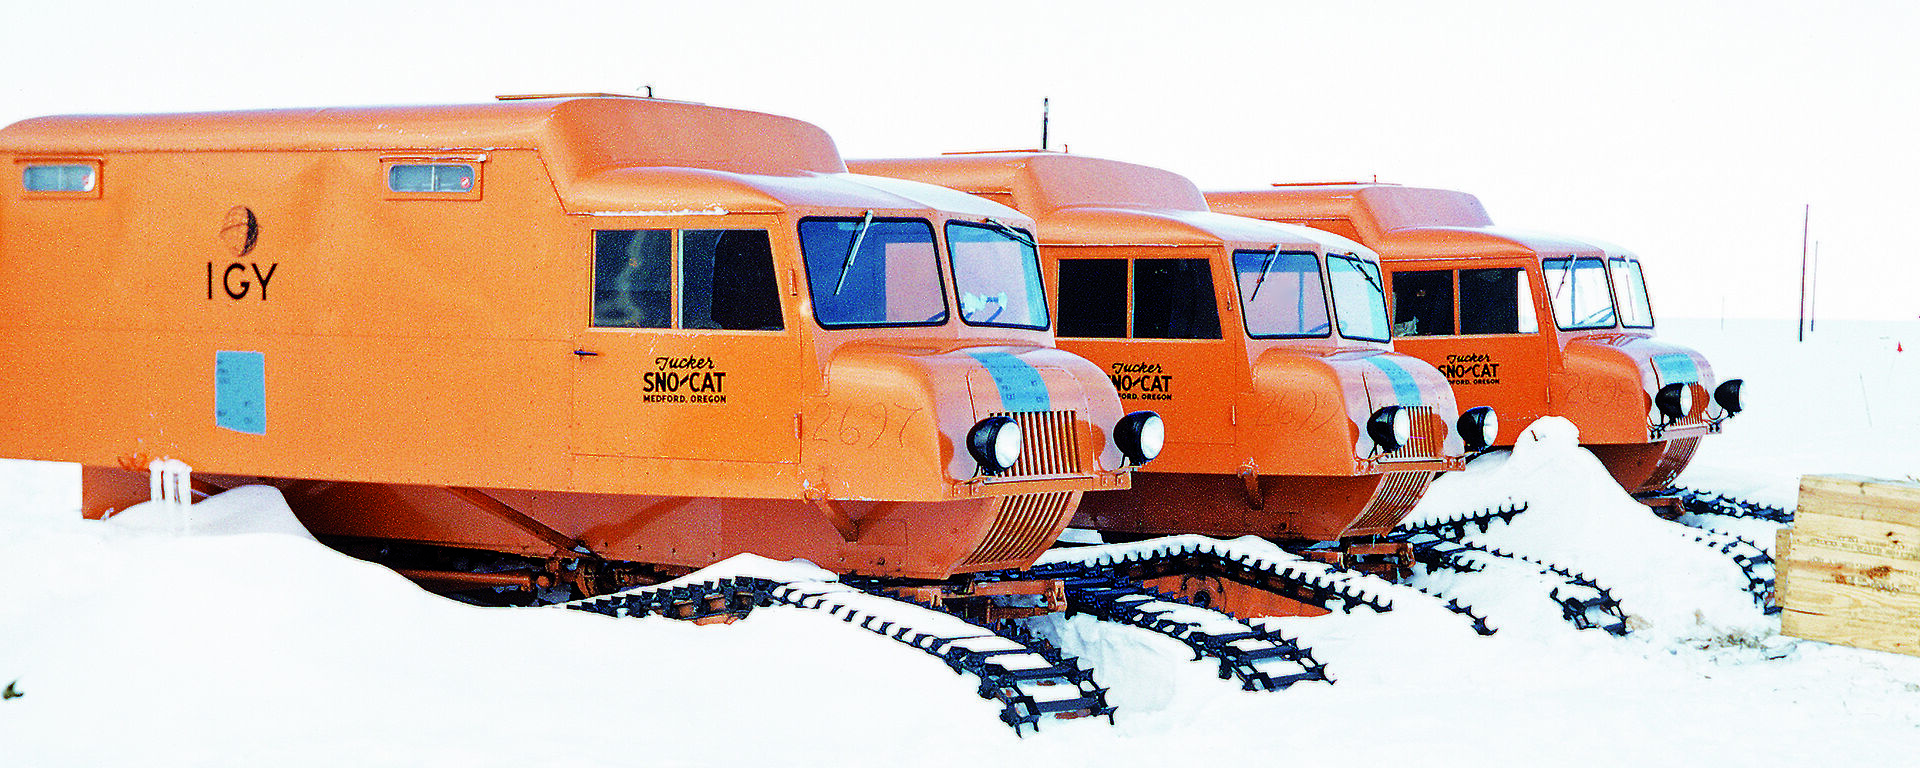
(1861, 498)
(1877, 538)
(1818, 565)
(1855, 616)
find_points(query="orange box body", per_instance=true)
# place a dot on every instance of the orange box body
(386, 310)
(1599, 370)
(1266, 411)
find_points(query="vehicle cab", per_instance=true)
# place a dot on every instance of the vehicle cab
(1532, 324)
(1266, 347)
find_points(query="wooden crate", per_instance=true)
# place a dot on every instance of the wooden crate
(1849, 568)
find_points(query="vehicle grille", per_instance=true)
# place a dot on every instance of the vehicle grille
(1050, 445)
(1672, 461)
(1429, 436)
(1395, 497)
(1023, 528)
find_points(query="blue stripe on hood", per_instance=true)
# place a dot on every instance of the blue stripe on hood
(1406, 389)
(1021, 388)
(1676, 369)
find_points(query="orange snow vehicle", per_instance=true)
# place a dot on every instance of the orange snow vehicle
(617, 338)
(1532, 324)
(1265, 346)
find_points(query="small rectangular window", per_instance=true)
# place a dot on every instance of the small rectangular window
(632, 274)
(430, 178)
(1496, 301)
(1423, 303)
(1093, 298)
(727, 282)
(433, 178)
(1173, 299)
(61, 179)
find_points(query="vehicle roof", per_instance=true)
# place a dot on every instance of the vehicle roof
(607, 154)
(1086, 200)
(1403, 221)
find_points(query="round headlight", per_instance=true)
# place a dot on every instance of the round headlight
(1391, 427)
(1728, 395)
(1675, 401)
(995, 443)
(1479, 427)
(1140, 436)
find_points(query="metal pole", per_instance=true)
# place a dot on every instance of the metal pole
(1813, 294)
(1044, 110)
(1805, 222)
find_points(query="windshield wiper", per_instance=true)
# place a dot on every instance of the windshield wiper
(1361, 267)
(858, 238)
(1013, 233)
(1265, 264)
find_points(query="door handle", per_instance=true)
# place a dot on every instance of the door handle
(586, 353)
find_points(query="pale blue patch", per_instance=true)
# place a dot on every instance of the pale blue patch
(1021, 388)
(1406, 388)
(1676, 369)
(240, 391)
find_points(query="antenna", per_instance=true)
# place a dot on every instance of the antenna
(1044, 116)
(1806, 223)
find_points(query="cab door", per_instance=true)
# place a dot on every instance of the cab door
(1484, 327)
(1153, 323)
(686, 353)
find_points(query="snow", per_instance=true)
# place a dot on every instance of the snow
(240, 641)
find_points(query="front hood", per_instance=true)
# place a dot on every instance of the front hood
(1657, 363)
(962, 385)
(1313, 386)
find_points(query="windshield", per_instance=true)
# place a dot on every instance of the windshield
(1577, 289)
(1635, 312)
(1359, 299)
(867, 272)
(1281, 294)
(997, 272)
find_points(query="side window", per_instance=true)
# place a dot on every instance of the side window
(1173, 299)
(727, 281)
(1093, 298)
(1495, 301)
(631, 273)
(1423, 303)
(432, 178)
(63, 179)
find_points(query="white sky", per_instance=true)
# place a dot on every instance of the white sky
(1690, 132)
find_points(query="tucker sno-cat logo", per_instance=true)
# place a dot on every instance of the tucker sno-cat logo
(1475, 368)
(683, 380)
(1141, 381)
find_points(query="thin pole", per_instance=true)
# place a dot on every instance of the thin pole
(1805, 223)
(1813, 294)
(1044, 109)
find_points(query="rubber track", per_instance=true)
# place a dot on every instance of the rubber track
(1316, 584)
(1583, 602)
(1758, 566)
(1702, 503)
(1243, 651)
(1011, 665)
(1455, 527)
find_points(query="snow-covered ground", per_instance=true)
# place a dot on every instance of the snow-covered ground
(245, 643)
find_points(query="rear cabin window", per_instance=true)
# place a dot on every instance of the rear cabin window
(726, 280)
(59, 177)
(1423, 303)
(1093, 298)
(1496, 301)
(1173, 299)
